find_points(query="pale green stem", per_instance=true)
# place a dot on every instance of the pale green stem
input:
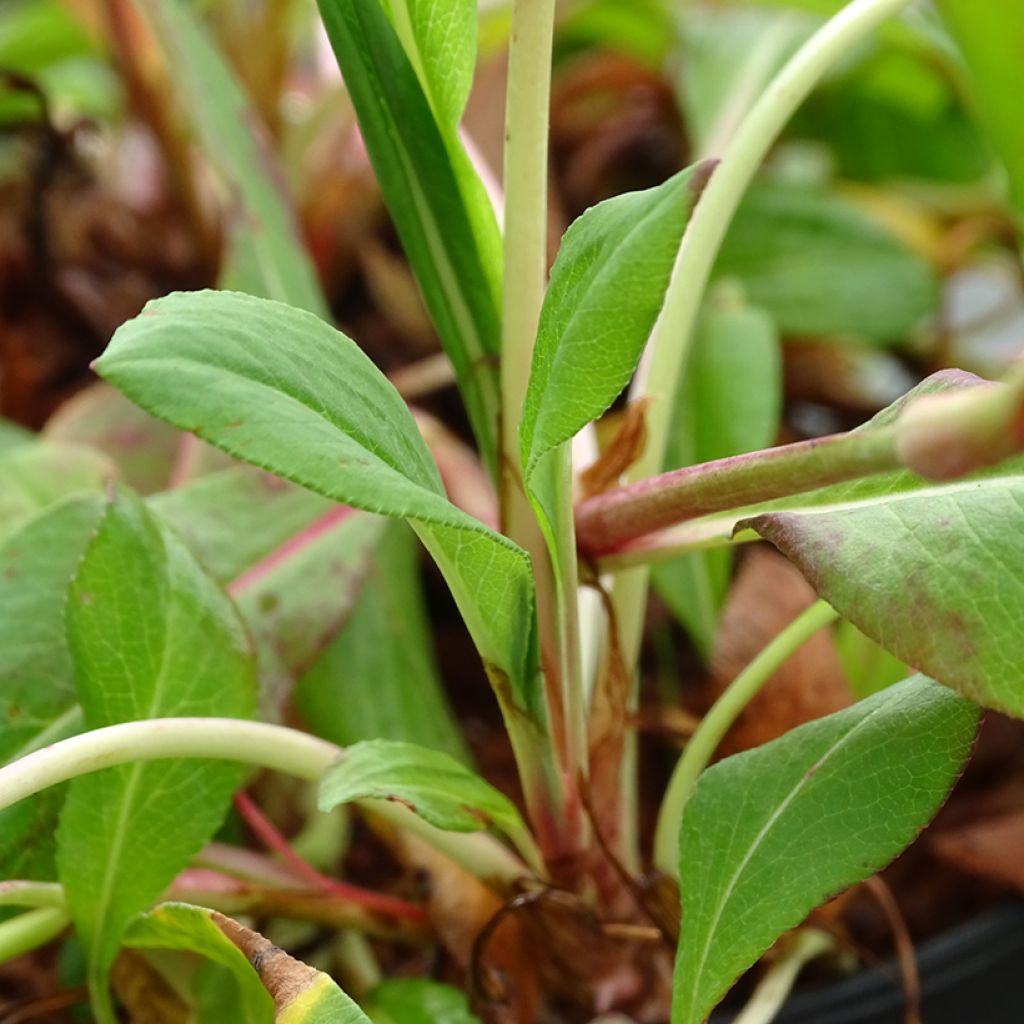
(255, 743)
(32, 894)
(30, 930)
(527, 118)
(667, 352)
(773, 989)
(715, 724)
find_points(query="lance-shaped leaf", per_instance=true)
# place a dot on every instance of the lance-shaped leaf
(280, 389)
(440, 40)
(151, 636)
(607, 288)
(33, 476)
(438, 205)
(298, 994)
(433, 785)
(38, 702)
(265, 254)
(772, 833)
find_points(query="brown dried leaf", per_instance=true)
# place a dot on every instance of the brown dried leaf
(992, 849)
(625, 448)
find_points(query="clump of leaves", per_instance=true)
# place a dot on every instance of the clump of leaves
(149, 642)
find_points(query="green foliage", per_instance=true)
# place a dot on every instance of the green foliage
(418, 1001)
(735, 364)
(265, 256)
(284, 391)
(39, 703)
(819, 265)
(178, 649)
(39, 474)
(771, 833)
(989, 32)
(434, 196)
(378, 679)
(431, 784)
(185, 927)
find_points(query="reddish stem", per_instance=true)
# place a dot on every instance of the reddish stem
(267, 833)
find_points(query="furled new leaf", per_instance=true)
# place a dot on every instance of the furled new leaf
(771, 833)
(433, 785)
(38, 702)
(265, 254)
(435, 198)
(12, 435)
(151, 636)
(282, 390)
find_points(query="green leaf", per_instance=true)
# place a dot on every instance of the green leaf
(151, 636)
(236, 517)
(735, 364)
(296, 600)
(38, 702)
(299, 994)
(772, 833)
(182, 926)
(928, 574)
(143, 449)
(731, 54)
(436, 200)
(819, 265)
(607, 288)
(418, 1001)
(440, 41)
(265, 254)
(433, 785)
(378, 678)
(37, 475)
(282, 390)
(989, 34)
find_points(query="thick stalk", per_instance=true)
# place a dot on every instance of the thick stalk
(716, 723)
(255, 743)
(525, 271)
(612, 519)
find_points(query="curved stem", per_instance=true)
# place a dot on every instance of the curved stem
(256, 743)
(716, 723)
(30, 930)
(663, 364)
